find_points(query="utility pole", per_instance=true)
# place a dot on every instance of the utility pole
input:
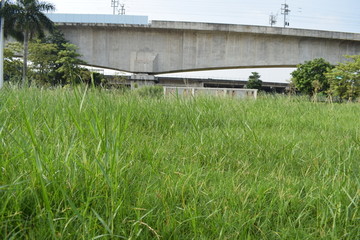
(2, 42)
(285, 11)
(114, 5)
(122, 9)
(272, 19)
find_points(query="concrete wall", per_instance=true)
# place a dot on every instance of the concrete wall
(218, 92)
(163, 47)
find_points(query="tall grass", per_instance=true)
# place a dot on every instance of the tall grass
(90, 164)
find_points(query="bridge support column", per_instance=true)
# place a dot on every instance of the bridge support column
(141, 80)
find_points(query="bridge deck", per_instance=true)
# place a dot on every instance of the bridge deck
(235, 28)
(168, 47)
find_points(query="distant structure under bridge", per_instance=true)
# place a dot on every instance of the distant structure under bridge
(139, 80)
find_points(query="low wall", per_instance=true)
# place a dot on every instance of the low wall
(221, 92)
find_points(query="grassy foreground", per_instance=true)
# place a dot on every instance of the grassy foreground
(89, 164)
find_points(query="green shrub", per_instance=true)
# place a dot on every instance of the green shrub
(150, 91)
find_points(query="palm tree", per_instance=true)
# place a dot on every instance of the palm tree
(24, 20)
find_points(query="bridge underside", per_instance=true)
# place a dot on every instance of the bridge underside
(163, 48)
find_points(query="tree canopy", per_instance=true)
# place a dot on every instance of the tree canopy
(309, 77)
(24, 19)
(254, 81)
(69, 62)
(12, 64)
(54, 61)
(344, 79)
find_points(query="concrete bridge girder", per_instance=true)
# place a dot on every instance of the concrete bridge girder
(164, 47)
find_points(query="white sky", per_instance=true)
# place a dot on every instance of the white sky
(329, 15)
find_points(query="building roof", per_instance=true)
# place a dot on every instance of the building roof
(97, 18)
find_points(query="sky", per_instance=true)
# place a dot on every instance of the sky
(331, 15)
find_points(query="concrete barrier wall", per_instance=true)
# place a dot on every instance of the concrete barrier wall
(219, 92)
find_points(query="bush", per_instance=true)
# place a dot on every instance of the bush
(345, 79)
(150, 91)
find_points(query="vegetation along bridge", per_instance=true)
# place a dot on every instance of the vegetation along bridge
(165, 46)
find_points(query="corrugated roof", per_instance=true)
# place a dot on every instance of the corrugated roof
(97, 18)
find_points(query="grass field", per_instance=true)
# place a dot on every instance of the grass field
(92, 164)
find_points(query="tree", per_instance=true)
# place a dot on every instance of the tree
(54, 61)
(43, 57)
(309, 77)
(69, 63)
(345, 79)
(57, 38)
(24, 20)
(12, 65)
(254, 81)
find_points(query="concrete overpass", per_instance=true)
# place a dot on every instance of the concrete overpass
(164, 46)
